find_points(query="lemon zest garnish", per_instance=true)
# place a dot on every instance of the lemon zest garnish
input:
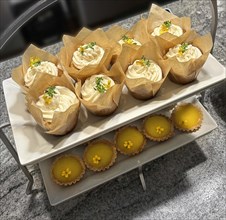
(47, 99)
(159, 129)
(128, 144)
(96, 159)
(165, 27)
(66, 173)
(34, 61)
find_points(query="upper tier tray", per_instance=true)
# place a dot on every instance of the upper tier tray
(33, 145)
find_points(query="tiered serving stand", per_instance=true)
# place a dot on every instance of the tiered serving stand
(33, 146)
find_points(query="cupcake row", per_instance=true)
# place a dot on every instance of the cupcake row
(101, 154)
(93, 66)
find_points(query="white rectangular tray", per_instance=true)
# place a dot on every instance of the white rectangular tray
(33, 145)
(152, 150)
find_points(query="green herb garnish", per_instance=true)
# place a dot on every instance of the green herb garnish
(99, 85)
(145, 61)
(84, 47)
(167, 24)
(50, 91)
(183, 48)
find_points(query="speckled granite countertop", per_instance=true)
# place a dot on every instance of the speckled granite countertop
(188, 183)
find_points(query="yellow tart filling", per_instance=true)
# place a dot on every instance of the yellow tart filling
(67, 169)
(187, 116)
(157, 126)
(99, 155)
(129, 140)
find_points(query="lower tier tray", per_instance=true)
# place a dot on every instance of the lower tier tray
(58, 194)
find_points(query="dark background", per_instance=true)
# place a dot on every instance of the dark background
(63, 17)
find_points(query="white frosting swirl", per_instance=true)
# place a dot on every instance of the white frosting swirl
(190, 53)
(62, 99)
(90, 91)
(173, 29)
(86, 55)
(138, 70)
(43, 67)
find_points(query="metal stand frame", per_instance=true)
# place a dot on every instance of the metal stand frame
(23, 19)
(13, 152)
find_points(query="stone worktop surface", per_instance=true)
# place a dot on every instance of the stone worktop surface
(188, 183)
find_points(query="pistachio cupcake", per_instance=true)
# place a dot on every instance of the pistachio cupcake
(129, 140)
(99, 155)
(67, 170)
(158, 127)
(187, 117)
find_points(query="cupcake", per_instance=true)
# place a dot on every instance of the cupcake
(129, 140)
(128, 40)
(53, 104)
(35, 62)
(158, 128)
(86, 52)
(99, 155)
(187, 117)
(67, 170)
(186, 55)
(100, 91)
(144, 70)
(166, 25)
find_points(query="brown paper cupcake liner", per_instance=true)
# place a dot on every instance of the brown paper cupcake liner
(189, 130)
(33, 51)
(71, 44)
(159, 139)
(110, 100)
(77, 179)
(157, 16)
(62, 122)
(143, 88)
(113, 159)
(186, 72)
(140, 149)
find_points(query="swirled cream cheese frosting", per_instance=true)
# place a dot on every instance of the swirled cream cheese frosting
(95, 86)
(184, 52)
(55, 99)
(167, 26)
(36, 65)
(144, 68)
(127, 40)
(87, 54)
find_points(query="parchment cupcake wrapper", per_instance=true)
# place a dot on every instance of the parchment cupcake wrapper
(71, 44)
(62, 122)
(110, 100)
(143, 88)
(158, 15)
(33, 51)
(185, 72)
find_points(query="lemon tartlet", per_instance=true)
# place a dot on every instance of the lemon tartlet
(187, 117)
(158, 127)
(100, 155)
(67, 169)
(129, 140)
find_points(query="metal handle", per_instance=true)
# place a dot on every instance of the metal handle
(23, 18)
